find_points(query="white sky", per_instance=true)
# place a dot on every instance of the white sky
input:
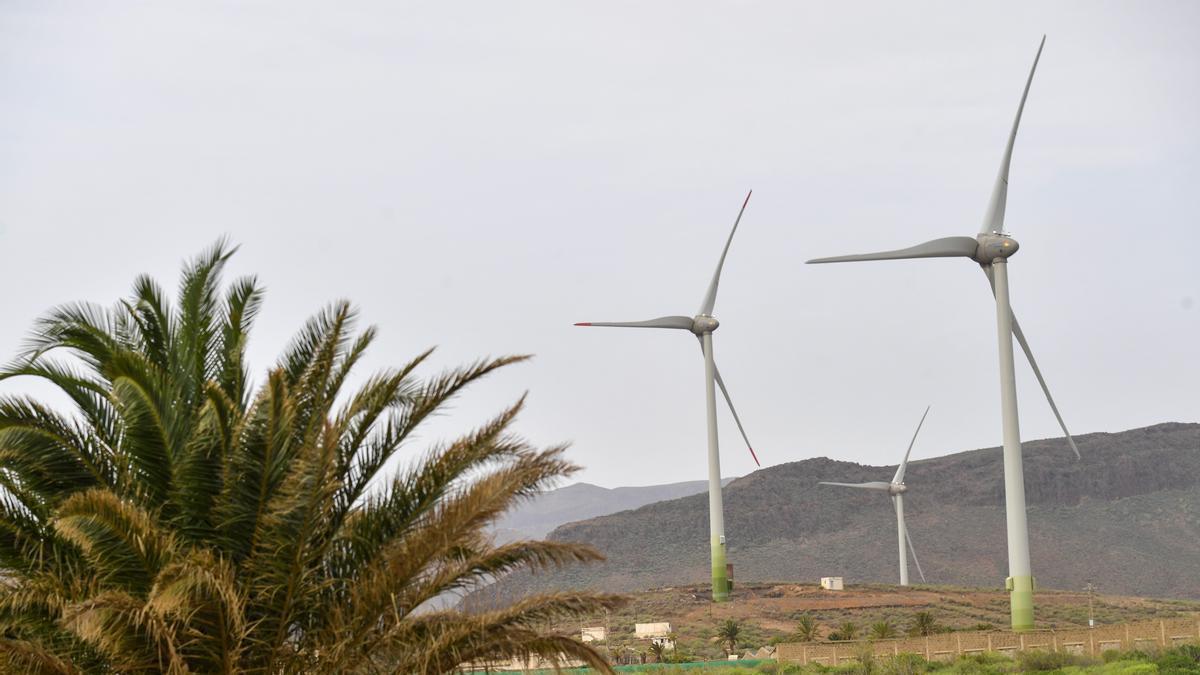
(480, 175)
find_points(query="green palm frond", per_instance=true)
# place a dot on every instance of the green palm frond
(255, 468)
(50, 453)
(151, 316)
(242, 303)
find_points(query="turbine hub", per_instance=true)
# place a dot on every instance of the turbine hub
(897, 489)
(994, 245)
(702, 324)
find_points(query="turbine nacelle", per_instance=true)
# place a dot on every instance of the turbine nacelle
(993, 246)
(897, 489)
(702, 325)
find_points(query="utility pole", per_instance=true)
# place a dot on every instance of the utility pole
(607, 644)
(1091, 590)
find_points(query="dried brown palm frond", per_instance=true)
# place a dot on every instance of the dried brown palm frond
(33, 658)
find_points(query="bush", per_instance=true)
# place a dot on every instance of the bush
(1179, 661)
(906, 664)
(1111, 655)
(988, 662)
(1044, 661)
(1130, 668)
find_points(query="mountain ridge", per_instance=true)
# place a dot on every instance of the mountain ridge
(535, 518)
(1126, 516)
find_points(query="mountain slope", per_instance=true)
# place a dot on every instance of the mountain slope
(537, 517)
(1126, 517)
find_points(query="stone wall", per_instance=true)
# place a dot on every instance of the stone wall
(949, 646)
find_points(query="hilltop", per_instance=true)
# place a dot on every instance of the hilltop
(540, 515)
(1127, 517)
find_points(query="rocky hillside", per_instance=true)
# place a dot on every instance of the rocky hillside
(1126, 517)
(580, 501)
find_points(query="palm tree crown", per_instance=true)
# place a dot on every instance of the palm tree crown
(728, 632)
(183, 518)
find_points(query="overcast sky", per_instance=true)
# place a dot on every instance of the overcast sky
(481, 175)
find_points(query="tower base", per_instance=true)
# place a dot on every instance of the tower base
(1020, 594)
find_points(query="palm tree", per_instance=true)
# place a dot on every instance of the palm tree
(185, 517)
(882, 630)
(728, 632)
(659, 651)
(807, 629)
(847, 631)
(923, 623)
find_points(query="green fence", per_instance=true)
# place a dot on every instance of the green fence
(661, 667)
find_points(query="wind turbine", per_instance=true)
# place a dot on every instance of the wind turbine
(702, 326)
(896, 489)
(991, 249)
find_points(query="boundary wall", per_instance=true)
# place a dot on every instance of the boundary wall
(949, 646)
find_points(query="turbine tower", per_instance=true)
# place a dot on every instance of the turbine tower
(991, 249)
(896, 489)
(702, 326)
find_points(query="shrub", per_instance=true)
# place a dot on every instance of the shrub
(1044, 661)
(1180, 660)
(1130, 668)
(1110, 655)
(906, 664)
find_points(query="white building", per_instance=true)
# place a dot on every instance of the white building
(645, 631)
(831, 583)
(593, 634)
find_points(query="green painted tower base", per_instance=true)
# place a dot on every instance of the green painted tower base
(720, 580)
(1020, 591)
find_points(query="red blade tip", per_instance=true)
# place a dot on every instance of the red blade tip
(584, 323)
(756, 462)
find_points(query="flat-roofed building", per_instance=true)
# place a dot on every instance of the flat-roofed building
(645, 631)
(831, 583)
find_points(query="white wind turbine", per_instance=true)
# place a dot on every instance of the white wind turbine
(702, 326)
(896, 489)
(991, 249)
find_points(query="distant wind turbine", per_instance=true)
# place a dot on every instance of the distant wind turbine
(896, 489)
(702, 326)
(991, 249)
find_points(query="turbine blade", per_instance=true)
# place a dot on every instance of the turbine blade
(913, 551)
(946, 247)
(1037, 372)
(710, 297)
(993, 218)
(874, 485)
(680, 322)
(736, 419)
(729, 400)
(899, 477)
